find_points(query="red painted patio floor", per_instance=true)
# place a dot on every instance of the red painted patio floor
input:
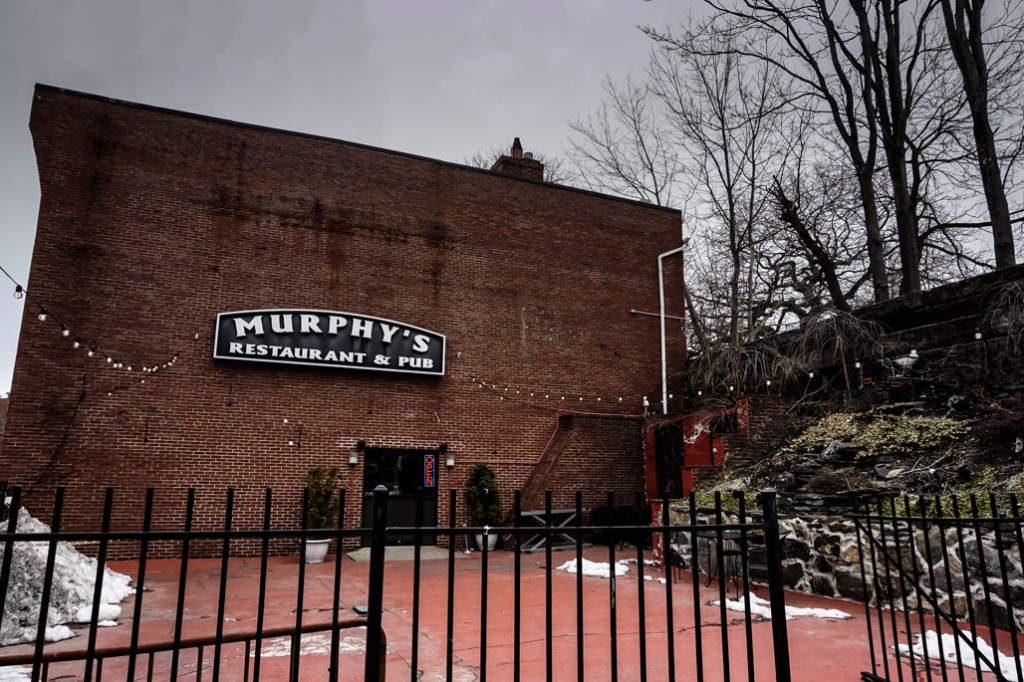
(826, 650)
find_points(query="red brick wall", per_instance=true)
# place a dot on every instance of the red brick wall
(605, 454)
(151, 222)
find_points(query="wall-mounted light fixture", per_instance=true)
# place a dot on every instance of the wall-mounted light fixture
(353, 456)
(449, 457)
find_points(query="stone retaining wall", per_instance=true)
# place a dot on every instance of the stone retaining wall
(822, 556)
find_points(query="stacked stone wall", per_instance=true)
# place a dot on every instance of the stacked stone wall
(821, 555)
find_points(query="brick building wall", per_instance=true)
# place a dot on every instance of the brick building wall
(152, 221)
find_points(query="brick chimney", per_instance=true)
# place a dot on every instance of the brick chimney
(523, 165)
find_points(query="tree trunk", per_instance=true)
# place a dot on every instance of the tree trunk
(788, 214)
(964, 30)
(876, 247)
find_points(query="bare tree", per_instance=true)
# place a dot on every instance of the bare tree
(623, 147)
(795, 40)
(723, 117)
(965, 29)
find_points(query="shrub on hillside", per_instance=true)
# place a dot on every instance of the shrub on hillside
(900, 436)
(827, 429)
(886, 435)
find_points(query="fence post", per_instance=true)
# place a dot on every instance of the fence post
(773, 545)
(374, 640)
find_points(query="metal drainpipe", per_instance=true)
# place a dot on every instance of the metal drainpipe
(661, 296)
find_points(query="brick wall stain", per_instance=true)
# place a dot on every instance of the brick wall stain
(152, 222)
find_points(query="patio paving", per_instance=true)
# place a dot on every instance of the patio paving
(832, 650)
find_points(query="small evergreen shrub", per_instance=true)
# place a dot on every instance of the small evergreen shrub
(323, 498)
(482, 486)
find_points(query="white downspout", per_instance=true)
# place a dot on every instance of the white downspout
(661, 296)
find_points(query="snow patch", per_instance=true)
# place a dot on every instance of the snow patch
(74, 581)
(762, 607)
(599, 569)
(15, 674)
(108, 612)
(930, 644)
(313, 645)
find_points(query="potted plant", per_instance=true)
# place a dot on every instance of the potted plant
(322, 483)
(483, 500)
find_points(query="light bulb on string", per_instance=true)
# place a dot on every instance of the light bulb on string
(581, 398)
(109, 359)
(42, 314)
(18, 291)
(64, 331)
(92, 351)
(77, 343)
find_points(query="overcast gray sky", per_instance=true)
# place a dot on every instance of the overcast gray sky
(441, 78)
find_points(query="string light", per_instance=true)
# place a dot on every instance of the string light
(91, 350)
(497, 387)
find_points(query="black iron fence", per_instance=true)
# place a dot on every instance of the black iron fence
(505, 613)
(944, 577)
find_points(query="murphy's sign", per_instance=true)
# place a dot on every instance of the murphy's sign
(328, 339)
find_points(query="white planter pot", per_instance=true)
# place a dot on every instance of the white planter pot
(316, 550)
(492, 541)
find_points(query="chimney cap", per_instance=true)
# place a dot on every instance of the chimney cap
(517, 149)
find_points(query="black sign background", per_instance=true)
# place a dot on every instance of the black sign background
(321, 338)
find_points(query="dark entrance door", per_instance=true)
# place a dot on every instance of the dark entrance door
(401, 472)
